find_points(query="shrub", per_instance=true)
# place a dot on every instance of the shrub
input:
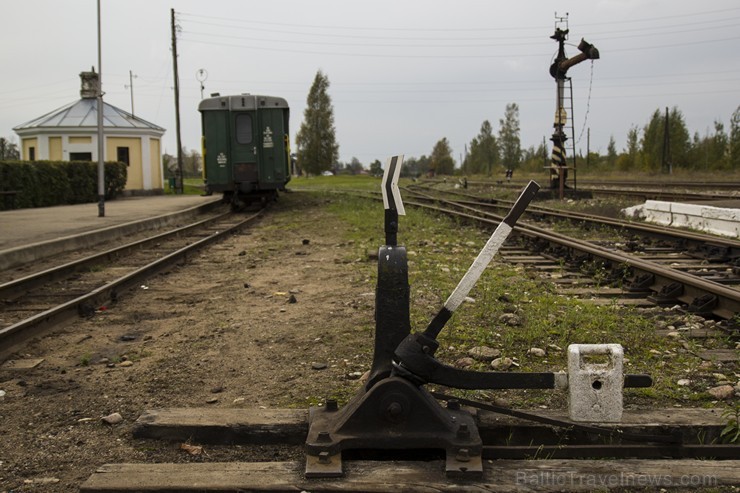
(49, 183)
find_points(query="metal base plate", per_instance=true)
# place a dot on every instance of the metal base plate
(393, 415)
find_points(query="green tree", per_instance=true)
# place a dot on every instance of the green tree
(355, 166)
(413, 167)
(441, 158)
(653, 141)
(316, 140)
(712, 151)
(8, 150)
(611, 153)
(734, 143)
(376, 168)
(508, 136)
(719, 145)
(192, 162)
(484, 152)
(630, 159)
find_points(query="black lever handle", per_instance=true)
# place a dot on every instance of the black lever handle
(415, 361)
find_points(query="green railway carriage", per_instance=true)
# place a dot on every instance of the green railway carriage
(246, 146)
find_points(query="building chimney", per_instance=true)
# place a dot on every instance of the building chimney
(89, 88)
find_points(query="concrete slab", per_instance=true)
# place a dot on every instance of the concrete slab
(724, 221)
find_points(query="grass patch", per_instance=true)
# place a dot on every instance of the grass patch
(440, 250)
(191, 186)
(357, 182)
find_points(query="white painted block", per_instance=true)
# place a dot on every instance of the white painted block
(658, 205)
(595, 382)
(715, 220)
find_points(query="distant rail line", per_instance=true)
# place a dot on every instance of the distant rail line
(669, 190)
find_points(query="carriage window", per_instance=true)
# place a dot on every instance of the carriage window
(244, 129)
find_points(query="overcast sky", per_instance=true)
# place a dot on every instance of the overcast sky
(403, 73)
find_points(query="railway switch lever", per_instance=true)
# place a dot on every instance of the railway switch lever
(394, 411)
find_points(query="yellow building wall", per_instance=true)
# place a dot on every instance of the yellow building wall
(134, 180)
(155, 158)
(27, 144)
(55, 148)
(80, 140)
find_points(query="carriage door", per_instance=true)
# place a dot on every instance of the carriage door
(216, 148)
(244, 150)
(272, 146)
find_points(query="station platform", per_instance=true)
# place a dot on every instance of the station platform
(50, 230)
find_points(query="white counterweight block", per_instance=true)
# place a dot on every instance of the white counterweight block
(595, 382)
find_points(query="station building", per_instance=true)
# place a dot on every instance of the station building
(70, 133)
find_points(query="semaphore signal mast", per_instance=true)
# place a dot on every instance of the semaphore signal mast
(559, 69)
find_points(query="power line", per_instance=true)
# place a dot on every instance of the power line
(436, 43)
(375, 44)
(363, 55)
(536, 35)
(466, 29)
(455, 56)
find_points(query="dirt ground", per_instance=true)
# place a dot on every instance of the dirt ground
(277, 316)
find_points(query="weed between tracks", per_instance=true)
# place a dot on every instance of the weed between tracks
(513, 310)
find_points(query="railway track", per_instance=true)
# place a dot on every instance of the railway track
(702, 185)
(38, 301)
(647, 194)
(707, 247)
(504, 443)
(662, 276)
(674, 191)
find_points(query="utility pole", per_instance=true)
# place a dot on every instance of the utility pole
(101, 136)
(130, 86)
(667, 144)
(179, 177)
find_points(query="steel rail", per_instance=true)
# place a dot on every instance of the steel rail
(663, 193)
(12, 335)
(728, 300)
(659, 194)
(671, 184)
(12, 289)
(674, 233)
